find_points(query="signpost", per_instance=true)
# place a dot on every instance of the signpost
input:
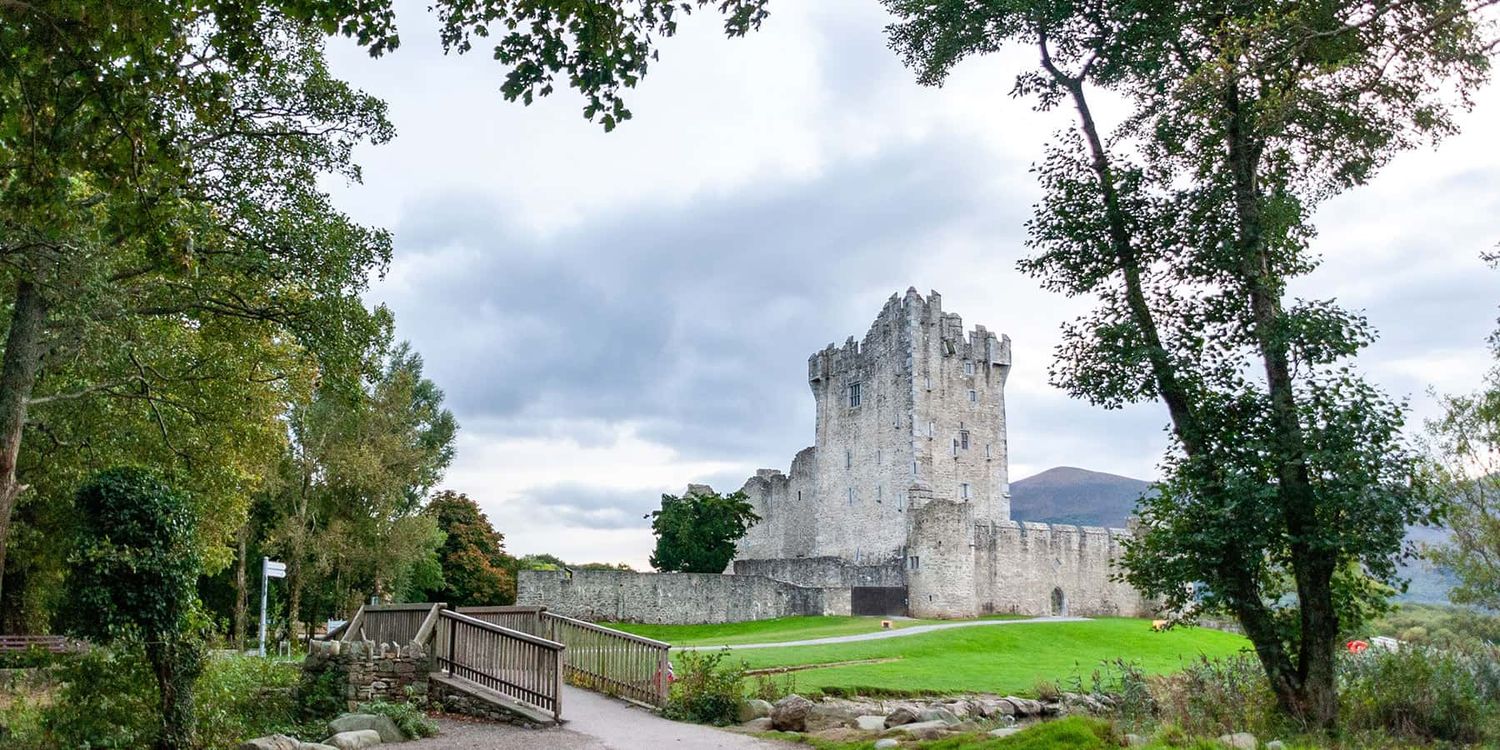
(268, 569)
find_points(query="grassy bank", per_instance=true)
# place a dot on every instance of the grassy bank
(779, 630)
(1009, 658)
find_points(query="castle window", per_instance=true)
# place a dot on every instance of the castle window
(963, 490)
(854, 394)
(963, 439)
(913, 562)
(900, 502)
(851, 495)
(968, 367)
(973, 396)
(987, 450)
(913, 468)
(931, 428)
(879, 493)
(928, 381)
(955, 447)
(848, 459)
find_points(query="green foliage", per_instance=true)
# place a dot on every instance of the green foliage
(242, 696)
(1187, 220)
(1422, 694)
(706, 690)
(1465, 449)
(109, 701)
(408, 717)
(31, 658)
(696, 533)
(473, 554)
(1460, 628)
(321, 694)
(134, 579)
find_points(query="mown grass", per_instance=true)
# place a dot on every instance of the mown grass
(778, 630)
(1006, 659)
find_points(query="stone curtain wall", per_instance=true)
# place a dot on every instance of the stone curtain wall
(1019, 565)
(824, 572)
(371, 671)
(672, 598)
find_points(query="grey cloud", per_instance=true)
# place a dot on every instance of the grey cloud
(696, 321)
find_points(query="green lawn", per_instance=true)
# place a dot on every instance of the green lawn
(1006, 659)
(778, 630)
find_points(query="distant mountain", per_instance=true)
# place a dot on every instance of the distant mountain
(1091, 498)
(1076, 496)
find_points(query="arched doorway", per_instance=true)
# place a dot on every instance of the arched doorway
(1059, 603)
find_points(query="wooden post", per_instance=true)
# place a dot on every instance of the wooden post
(664, 685)
(557, 685)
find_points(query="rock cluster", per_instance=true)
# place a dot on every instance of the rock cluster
(347, 732)
(896, 720)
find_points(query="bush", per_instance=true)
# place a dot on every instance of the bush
(706, 691)
(408, 717)
(108, 700)
(1420, 694)
(239, 697)
(769, 688)
(1215, 696)
(321, 694)
(34, 657)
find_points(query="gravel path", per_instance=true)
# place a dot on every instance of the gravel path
(594, 722)
(883, 634)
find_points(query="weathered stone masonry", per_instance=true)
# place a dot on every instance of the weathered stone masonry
(902, 506)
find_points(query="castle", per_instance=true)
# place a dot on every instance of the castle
(901, 507)
(905, 497)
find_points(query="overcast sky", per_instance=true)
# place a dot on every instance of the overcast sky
(615, 315)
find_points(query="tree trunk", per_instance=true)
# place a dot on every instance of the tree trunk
(176, 664)
(241, 596)
(22, 359)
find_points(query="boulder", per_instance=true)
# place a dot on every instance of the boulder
(924, 730)
(900, 716)
(995, 709)
(1004, 731)
(870, 723)
(763, 724)
(938, 713)
(315, 746)
(1025, 706)
(359, 738)
(1240, 741)
(1275, 745)
(754, 709)
(790, 713)
(270, 742)
(1136, 740)
(828, 716)
(886, 743)
(377, 723)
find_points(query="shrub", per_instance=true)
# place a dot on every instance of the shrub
(108, 700)
(1418, 693)
(239, 697)
(1047, 690)
(769, 688)
(407, 716)
(1214, 696)
(321, 694)
(706, 691)
(34, 657)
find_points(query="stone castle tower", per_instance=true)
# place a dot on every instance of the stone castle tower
(904, 499)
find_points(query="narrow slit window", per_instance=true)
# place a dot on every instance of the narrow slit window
(973, 396)
(963, 439)
(968, 367)
(848, 459)
(963, 490)
(851, 495)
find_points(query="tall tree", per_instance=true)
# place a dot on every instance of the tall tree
(1466, 449)
(697, 532)
(356, 471)
(1288, 482)
(473, 554)
(160, 162)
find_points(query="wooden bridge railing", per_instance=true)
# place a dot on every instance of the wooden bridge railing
(391, 623)
(612, 661)
(520, 665)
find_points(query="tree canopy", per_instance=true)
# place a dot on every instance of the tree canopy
(473, 554)
(1289, 484)
(697, 532)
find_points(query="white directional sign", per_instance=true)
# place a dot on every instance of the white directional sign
(268, 569)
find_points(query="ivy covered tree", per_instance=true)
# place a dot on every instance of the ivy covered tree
(1288, 485)
(473, 554)
(697, 532)
(132, 584)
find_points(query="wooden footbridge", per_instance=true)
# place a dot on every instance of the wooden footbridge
(520, 654)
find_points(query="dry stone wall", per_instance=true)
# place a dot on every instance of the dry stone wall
(371, 671)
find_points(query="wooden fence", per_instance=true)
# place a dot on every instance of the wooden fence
(522, 666)
(57, 644)
(391, 623)
(612, 661)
